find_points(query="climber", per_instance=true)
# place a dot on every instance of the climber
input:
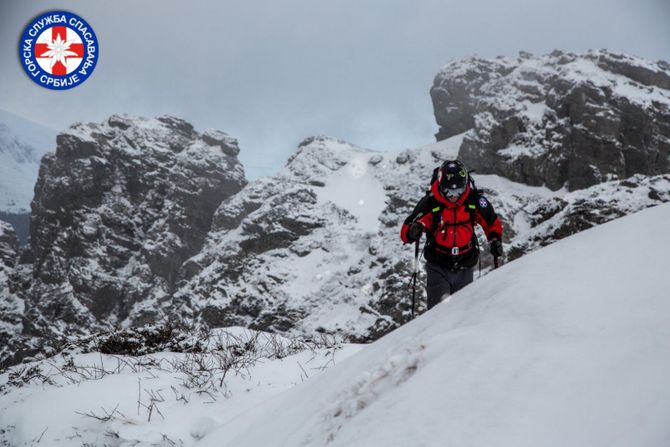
(448, 214)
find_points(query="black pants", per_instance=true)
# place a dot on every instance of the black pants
(442, 282)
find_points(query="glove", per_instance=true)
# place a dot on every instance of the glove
(414, 232)
(496, 247)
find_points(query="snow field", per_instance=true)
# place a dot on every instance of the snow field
(158, 399)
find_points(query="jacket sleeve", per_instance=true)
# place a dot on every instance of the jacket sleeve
(487, 218)
(421, 213)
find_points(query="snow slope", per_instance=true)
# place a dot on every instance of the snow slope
(565, 346)
(162, 399)
(22, 144)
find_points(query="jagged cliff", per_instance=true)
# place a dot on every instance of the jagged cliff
(119, 206)
(558, 120)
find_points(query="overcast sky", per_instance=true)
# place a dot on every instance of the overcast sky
(271, 72)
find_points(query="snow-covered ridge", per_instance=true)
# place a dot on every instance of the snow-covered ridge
(554, 349)
(316, 247)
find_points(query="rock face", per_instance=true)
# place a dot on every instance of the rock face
(118, 207)
(543, 221)
(287, 252)
(316, 247)
(558, 120)
(9, 246)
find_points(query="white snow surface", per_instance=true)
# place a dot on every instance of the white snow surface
(56, 414)
(360, 194)
(565, 346)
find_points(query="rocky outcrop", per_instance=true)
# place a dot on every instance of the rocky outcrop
(13, 344)
(9, 246)
(119, 206)
(558, 120)
(279, 252)
(560, 216)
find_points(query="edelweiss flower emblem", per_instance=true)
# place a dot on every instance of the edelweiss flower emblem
(58, 51)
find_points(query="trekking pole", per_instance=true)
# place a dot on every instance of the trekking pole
(414, 274)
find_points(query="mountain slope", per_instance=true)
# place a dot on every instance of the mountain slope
(22, 144)
(566, 346)
(316, 247)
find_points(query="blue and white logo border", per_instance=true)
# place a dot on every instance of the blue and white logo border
(48, 80)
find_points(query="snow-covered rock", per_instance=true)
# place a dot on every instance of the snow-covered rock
(562, 119)
(536, 217)
(566, 346)
(12, 339)
(316, 247)
(118, 207)
(9, 246)
(292, 247)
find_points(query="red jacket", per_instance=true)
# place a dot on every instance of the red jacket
(449, 226)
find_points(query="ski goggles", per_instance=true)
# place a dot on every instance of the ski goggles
(453, 192)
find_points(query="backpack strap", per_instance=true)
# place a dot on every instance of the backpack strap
(434, 177)
(471, 206)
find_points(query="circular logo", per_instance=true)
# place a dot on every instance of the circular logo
(483, 203)
(58, 50)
